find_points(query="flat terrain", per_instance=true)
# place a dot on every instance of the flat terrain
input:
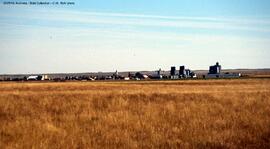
(144, 114)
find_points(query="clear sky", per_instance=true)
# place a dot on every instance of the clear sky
(105, 35)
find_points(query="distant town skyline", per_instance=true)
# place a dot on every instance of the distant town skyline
(99, 35)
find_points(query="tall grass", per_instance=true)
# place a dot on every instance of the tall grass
(148, 114)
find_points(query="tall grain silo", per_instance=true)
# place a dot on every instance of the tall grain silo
(215, 69)
(187, 72)
(159, 72)
(173, 71)
(218, 67)
(182, 71)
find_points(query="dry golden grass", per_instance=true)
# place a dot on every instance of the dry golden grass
(147, 114)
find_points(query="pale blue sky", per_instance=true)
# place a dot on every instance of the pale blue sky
(105, 35)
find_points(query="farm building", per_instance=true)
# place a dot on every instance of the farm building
(157, 75)
(38, 77)
(34, 78)
(183, 73)
(215, 72)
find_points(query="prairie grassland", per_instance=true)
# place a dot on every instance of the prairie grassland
(144, 114)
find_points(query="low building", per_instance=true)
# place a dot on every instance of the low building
(45, 77)
(34, 78)
(126, 78)
(157, 75)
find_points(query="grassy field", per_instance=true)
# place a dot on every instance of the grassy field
(144, 114)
